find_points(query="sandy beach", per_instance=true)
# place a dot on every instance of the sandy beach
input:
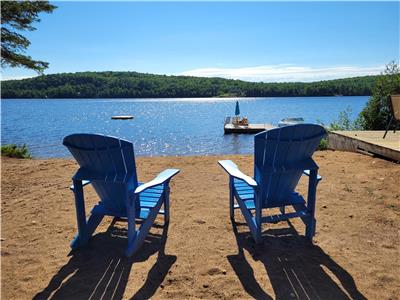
(201, 254)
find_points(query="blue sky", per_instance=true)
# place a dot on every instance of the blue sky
(258, 41)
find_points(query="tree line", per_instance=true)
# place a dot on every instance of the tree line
(141, 85)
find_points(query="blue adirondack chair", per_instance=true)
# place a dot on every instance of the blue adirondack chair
(108, 164)
(281, 157)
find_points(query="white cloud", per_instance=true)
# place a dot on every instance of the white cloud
(285, 73)
(12, 77)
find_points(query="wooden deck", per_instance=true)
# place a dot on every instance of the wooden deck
(251, 128)
(368, 142)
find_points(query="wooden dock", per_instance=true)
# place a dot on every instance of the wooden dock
(251, 128)
(122, 117)
(367, 142)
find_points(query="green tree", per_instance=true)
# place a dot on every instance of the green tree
(376, 114)
(140, 85)
(17, 16)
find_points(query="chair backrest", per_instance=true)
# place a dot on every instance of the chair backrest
(395, 99)
(110, 158)
(280, 156)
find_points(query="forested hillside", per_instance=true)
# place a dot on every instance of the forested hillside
(140, 85)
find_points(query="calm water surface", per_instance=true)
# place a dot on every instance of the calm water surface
(160, 126)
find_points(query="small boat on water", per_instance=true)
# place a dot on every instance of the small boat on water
(290, 121)
(122, 117)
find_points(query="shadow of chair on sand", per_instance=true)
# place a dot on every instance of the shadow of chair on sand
(101, 271)
(295, 268)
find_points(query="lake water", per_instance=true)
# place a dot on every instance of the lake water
(160, 126)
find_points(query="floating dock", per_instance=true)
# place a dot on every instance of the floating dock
(251, 128)
(229, 127)
(367, 142)
(122, 117)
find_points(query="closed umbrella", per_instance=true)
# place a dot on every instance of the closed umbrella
(237, 109)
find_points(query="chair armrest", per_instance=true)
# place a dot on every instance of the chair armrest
(234, 171)
(307, 172)
(161, 178)
(84, 182)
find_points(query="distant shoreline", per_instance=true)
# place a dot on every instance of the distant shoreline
(186, 98)
(131, 85)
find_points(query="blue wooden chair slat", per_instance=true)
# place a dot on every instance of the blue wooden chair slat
(246, 196)
(245, 192)
(150, 195)
(148, 198)
(147, 204)
(281, 156)
(249, 204)
(108, 164)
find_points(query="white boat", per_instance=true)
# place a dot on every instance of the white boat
(290, 121)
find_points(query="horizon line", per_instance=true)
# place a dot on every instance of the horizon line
(262, 74)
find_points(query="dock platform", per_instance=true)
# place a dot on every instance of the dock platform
(122, 117)
(367, 142)
(251, 128)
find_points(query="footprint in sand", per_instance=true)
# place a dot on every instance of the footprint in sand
(215, 271)
(198, 221)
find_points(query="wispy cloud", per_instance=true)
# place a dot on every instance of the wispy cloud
(285, 73)
(12, 77)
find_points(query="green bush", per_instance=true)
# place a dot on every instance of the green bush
(376, 114)
(344, 122)
(323, 144)
(13, 150)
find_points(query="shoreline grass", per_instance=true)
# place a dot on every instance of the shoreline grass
(15, 151)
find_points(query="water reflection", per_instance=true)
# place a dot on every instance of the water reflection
(160, 127)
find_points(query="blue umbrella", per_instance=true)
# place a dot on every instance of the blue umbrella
(237, 109)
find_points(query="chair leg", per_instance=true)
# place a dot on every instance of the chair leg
(258, 221)
(310, 228)
(93, 222)
(131, 220)
(231, 198)
(82, 238)
(395, 125)
(166, 204)
(258, 238)
(254, 225)
(312, 190)
(140, 235)
(388, 126)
